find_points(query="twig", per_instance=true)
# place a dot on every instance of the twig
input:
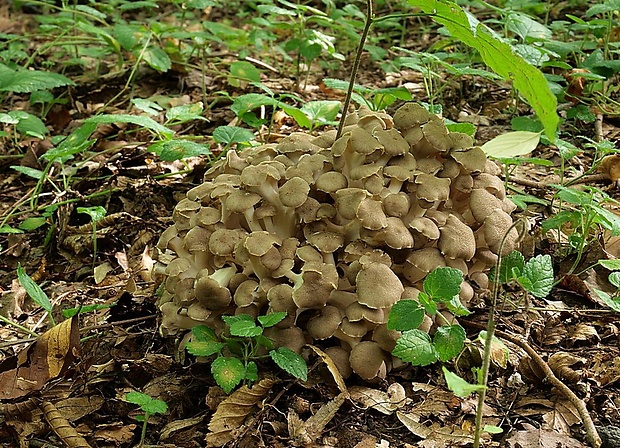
(590, 178)
(356, 64)
(591, 433)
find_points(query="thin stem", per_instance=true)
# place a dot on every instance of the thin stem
(356, 64)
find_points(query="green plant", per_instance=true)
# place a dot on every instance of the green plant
(441, 287)
(96, 214)
(149, 405)
(236, 353)
(374, 99)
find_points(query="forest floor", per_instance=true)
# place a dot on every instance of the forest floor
(86, 367)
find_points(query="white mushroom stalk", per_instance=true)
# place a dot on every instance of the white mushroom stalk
(335, 233)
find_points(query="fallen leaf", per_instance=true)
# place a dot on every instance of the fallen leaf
(542, 438)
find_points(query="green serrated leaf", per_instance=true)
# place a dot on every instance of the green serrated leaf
(324, 112)
(145, 122)
(498, 55)
(33, 290)
(430, 306)
(137, 398)
(449, 341)
(155, 407)
(9, 229)
(291, 362)
(271, 319)
(443, 283)
(463, 128)
(246, 329)
(204, 348)
(227, 372)
(405, 315)
(228, 135)
(455, 306)
(459, 386)
(70, 312)
(26, 81)
(231, 320)
(245, 71)
(539, 271)
(251, 372)
(172, 150)
(415, 347)
(75, 143)
(29, 124)
(204, 333)
(512, 266)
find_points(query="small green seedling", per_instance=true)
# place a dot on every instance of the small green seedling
(535, 276)
(96, 213)
(235, 355)
(441, 286)
(149, 405)
(611, 300)
(35, 292)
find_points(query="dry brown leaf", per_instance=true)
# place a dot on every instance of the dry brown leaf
(332, 368)
(232, 412)
(542, 438)
(179, 425)
(434, 435)
(561, 364)
(384, 402)
(314, 426)
(584, 332)
(47, 358)
(116, 434)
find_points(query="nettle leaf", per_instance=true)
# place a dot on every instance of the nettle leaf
(204, 333)
(291, 362)
(539, 271)
(498, 55)
(137, 398)
(511, 267)
(415, 347)
(429, 304)
(449, 341)
(251, 371)
(171, 150)
(227, 372)
(463, 128)
(228, 135)
(405, 315)
(524, 26)
(147, 404)
(321, 111)
(455, 306)
(204, 348)
(558, 220)
(512, 144)
(33, 290)
(443, 283)
(271, 319)
(459, 386)
(245, 329)
(26, 81)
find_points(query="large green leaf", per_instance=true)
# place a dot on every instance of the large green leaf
(499, 56)
(25, 81)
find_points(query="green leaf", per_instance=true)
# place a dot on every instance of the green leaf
(29, 124)
(157, 58)
(455, 306)
(512, 266)
(148, 106)
(271, 319)
(612, 265)
(498, 55)
(614, 279)
(34, 173)
(463, 128)
(25, 81)
(204, 348)
(204, 334)
(491, 429)
(33, 290)
(32, 223)
(511, 144)
(171, 150)
(251, 101)
(539, 270)
(70, 312)
(75, 143)
(459, 386)
(430, 306)
(526, 27)
(185, 113)
(290, 362)
(415, 347)
(405, 315)
(611, 302)
(300, 117)
(323, 112)
(443, 283)
(96, 213)
(251, 371)
(228, 372)
(245, 328)
(228, 135)
(245, 71)
(137, 398)
(9, 229)
(147, 403)
(145, 122)
(449, 341)
(232, 320)
(558, 220)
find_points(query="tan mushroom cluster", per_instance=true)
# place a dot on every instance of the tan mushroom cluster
(335, 232)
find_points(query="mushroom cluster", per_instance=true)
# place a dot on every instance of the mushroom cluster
(335, 232)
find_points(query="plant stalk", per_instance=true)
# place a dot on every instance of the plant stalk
(356, 64)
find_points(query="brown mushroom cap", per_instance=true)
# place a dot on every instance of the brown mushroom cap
(294, 192)
(457, 239)
(325, 323)
(431, 188)
(368, 360)
(378, 286)
(340, 357)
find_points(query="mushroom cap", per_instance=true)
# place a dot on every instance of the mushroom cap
(457, 240)
(410, 115)
(482, 204)
(378, 286)
(240, 200)
(294, 192)
(368, 360)
(421, 262)
(472, 160)
(371, 215)
(386, 339)
(326, 242)
(356, 312)
(393, 142)
(224, 241)
(210, 294)
(496, 225)
(340, 357)
(432, 188)
(331, 181)
(325, 323)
